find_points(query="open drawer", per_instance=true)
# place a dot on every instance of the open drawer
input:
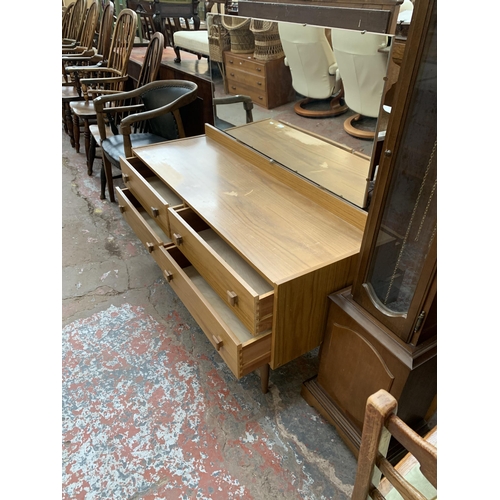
(149, 190)
(242, 352)
(242, 289)
(144, 226)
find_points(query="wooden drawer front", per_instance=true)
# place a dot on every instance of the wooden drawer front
(149, 190)
(244, 291)
(143, 225)
(241, 352)
(257, 96)
(256, 82)
(244, 63)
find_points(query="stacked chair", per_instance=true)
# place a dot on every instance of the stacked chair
(71, 90)
(108, 76)
(148, 73)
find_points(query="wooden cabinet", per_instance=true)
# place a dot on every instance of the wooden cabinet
(250, 248)
(268, 83)
(382, 332)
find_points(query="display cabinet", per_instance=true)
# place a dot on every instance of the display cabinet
(382, 332)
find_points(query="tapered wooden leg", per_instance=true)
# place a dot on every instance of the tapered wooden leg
(264, 378)
(76, 132)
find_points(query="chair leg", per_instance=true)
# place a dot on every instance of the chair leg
(91, 155)
(69, 123)
(86, 135)
(76, 132)
(107, 177)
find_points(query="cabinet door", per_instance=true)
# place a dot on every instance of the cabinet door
(397, 278)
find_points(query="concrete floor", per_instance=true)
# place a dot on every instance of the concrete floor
(150, 411)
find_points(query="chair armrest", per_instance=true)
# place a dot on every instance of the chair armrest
(245, 99)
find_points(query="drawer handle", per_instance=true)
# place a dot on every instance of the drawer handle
(259, 69)
(178, 239)
(155, 212)
(125, 178)
(232, 74)
(122, 208)
(260, 97)
(259, 83)
(230, 61)
(218, 342)
(233, 87)
(168, 276)
(150, 247)
(232, 297)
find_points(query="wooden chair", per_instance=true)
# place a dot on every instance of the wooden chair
(88, 32)
(154, 116)
(108, 77)
(380, 424)
(75, 23)
(247, 106)
(148, 73)
(66, 18)
(71, 90)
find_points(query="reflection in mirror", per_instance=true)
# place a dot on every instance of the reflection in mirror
(316, 108)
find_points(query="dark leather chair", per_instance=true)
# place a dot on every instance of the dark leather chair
(146, 115)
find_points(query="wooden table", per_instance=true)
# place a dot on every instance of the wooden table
(332, 166)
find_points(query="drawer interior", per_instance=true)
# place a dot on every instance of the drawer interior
(154, 181)
(225, 251)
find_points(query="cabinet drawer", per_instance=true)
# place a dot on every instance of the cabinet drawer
(257, 82)
(144, 226)
(243, 290)
(242, 352)
(149, 190)
(245, 63)
(258, 96)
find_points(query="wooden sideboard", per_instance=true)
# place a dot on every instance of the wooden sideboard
(268, 83)
(251, 249)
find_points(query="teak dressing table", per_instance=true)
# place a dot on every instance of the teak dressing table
(252, 249)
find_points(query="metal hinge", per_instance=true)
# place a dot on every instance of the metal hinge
(420, 320)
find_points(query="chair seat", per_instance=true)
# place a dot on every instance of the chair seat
(113, 146)
(69, 93)
(83, 108)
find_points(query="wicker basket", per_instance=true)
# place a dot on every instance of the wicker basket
(267, 40)
(218, 42)
(242, 39)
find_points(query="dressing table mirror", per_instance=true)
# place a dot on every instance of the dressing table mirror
(316, 148)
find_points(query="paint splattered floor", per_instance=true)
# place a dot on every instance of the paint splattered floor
(150, 410)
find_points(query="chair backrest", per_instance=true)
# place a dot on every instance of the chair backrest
(380, 424)
(156, 95)
(66, 20)
(106, 29)
(310, 58)
(77, 19)
(362, 67)
(152, 60)
(122, 41)
(89, 26)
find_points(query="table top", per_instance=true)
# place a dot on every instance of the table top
(333, 167)
(279, 231)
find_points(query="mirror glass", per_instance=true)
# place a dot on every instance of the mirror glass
(278, 65)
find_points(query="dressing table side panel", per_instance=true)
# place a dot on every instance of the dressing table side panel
(301, 308)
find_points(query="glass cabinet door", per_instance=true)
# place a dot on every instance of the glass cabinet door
(404, 238)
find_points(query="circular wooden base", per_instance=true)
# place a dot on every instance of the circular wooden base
(334, 109)
(356, 132)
